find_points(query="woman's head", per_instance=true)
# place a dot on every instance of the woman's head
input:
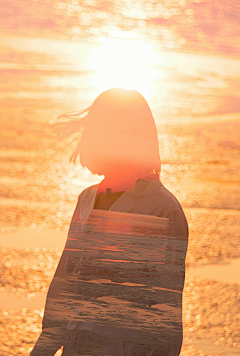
(119, 133)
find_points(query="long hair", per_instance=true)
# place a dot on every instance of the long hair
(122, 122)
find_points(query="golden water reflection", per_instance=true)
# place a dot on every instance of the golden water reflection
(211, 308)
(195, 101)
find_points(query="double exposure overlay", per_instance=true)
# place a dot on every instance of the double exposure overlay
(119, 131)
(118, 286)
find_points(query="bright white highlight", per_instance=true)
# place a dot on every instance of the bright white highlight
(125, 63)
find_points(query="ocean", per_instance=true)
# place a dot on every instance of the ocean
(183, 57)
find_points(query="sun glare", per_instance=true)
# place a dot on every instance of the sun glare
(124, 63)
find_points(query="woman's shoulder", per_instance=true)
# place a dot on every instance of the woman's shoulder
(173, 211)
(87, 192)
(159, 194)
(168, 197)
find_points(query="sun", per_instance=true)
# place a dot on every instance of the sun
(125, 63)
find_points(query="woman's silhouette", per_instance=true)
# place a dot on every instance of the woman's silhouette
(118, 140)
